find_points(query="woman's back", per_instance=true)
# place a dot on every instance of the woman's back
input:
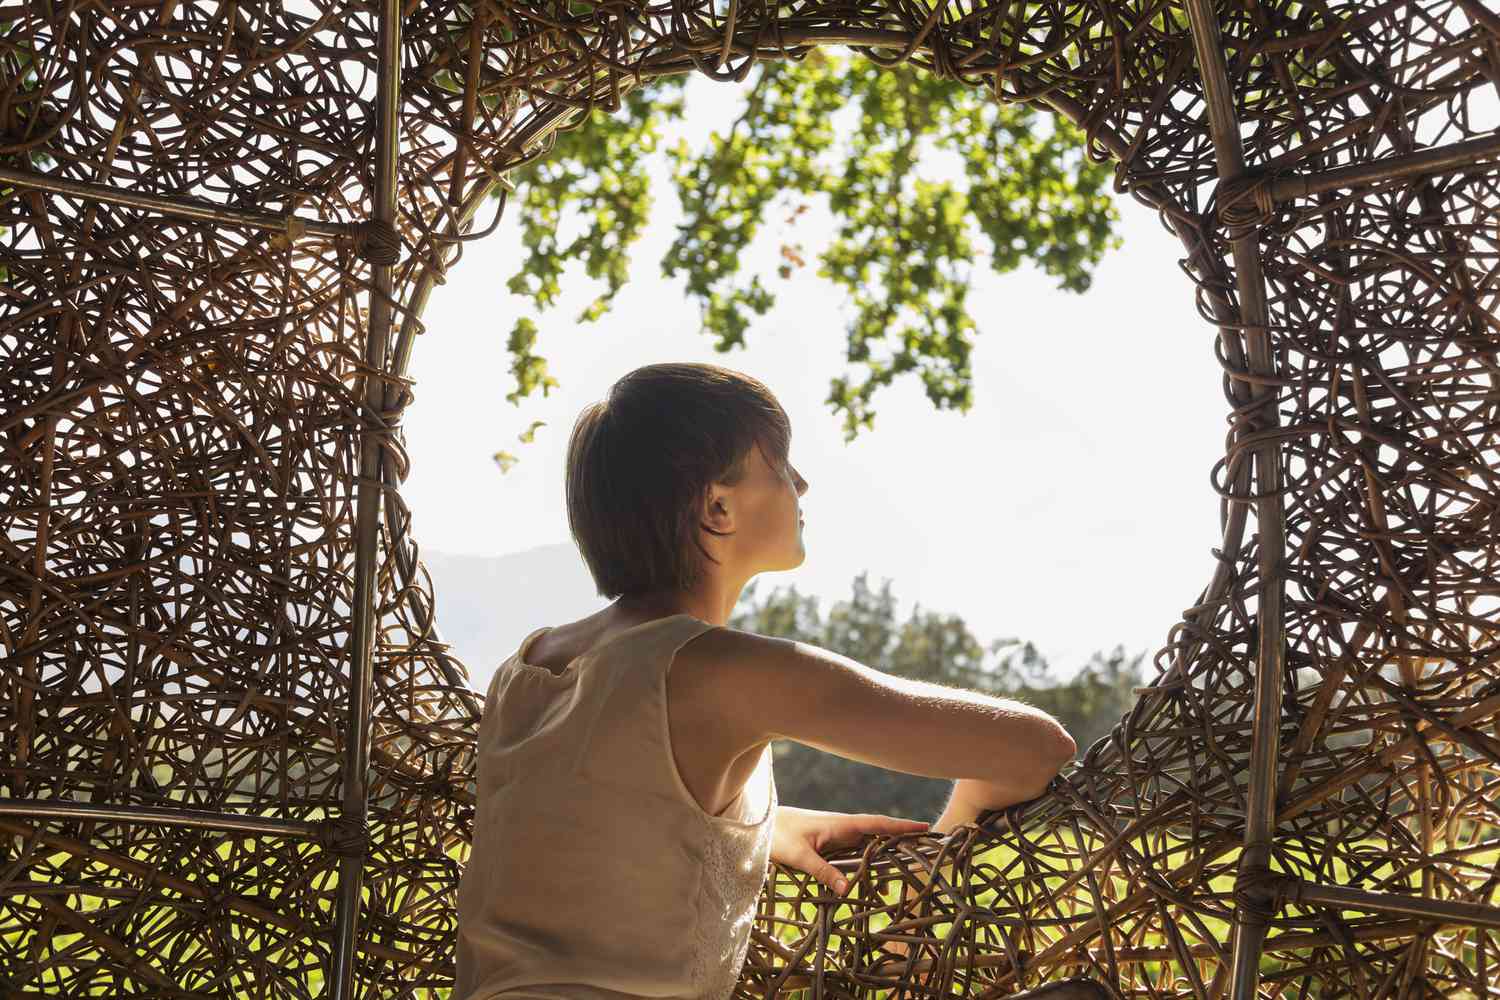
(595, 871)
(712, 766)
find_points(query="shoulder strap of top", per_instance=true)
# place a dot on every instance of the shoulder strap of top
(650, 648)
(623, 736)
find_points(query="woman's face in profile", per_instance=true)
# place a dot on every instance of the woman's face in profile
(777, 510)
(765, 510)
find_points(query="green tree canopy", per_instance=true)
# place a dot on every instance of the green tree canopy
(877, 146)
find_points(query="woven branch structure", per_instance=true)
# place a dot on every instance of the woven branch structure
(235, 755)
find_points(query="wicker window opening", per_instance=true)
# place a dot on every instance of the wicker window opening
(235, 753)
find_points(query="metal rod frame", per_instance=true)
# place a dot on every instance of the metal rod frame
(371, 484)
(1345, 898)
(1442, 159)
(182, 208)
(160, 816)
(1250, 925)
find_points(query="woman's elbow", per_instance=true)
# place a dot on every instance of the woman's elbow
(1055, 749)
(1067, 749)
(1059, 749)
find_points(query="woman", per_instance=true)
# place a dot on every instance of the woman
(626, 807)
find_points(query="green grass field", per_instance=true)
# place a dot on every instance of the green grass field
(67, 947)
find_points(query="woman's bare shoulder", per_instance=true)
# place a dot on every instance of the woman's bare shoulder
(738, 679)
(725, 644)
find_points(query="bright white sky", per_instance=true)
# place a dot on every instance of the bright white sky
(1071, 506)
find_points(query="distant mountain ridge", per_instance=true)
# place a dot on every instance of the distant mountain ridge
(487, 604)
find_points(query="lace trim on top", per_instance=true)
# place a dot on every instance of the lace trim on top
(735, 860)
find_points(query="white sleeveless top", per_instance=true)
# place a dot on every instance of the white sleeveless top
(594, 872)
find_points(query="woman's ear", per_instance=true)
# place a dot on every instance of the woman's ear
(721, 505)
(715, 507)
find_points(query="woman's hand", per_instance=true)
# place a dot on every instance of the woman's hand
(801, 835)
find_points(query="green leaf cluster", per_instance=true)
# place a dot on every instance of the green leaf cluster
(877, 146)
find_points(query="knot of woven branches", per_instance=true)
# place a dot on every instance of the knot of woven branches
(295, 229)
(344, 836)
(1258, 894)
(1245, 204)
(378, 242)
(436, 787)
(215, 904)
(384, 426)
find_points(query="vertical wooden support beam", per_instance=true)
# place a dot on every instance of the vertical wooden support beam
(1254, 895)
(352, 845)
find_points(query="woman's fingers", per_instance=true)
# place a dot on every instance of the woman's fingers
(871, 823)
(826, 874)
(862, 824)
(857, 826)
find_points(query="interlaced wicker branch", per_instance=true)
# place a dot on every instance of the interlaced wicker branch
(236, 755)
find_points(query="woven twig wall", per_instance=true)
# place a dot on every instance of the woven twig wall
(234, 754)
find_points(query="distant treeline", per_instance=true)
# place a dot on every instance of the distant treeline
(929, 647)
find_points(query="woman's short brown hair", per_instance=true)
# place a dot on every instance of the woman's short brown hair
(640, 463)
